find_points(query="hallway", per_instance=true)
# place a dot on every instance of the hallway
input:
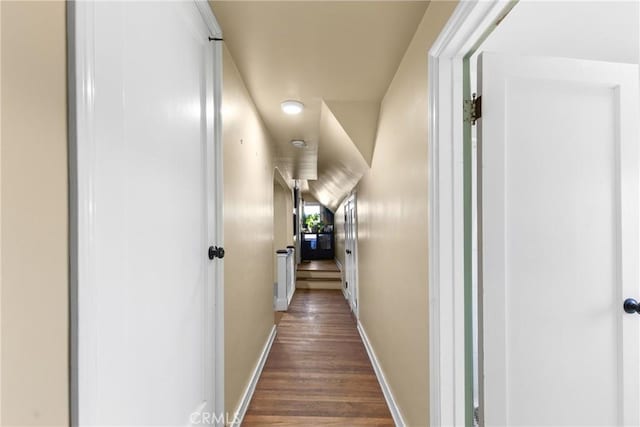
(318, 371)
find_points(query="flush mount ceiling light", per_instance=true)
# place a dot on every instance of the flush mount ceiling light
(298, 143)
(292, 107)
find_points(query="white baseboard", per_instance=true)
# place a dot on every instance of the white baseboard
(291, 296)
(339, 264)
(391, 403)
(280, 304)
(251, 387)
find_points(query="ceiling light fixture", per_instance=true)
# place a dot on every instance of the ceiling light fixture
(292, 107)
(298, 143)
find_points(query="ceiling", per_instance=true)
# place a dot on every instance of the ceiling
(338, 58)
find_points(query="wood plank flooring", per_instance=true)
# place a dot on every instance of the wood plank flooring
(318, 372)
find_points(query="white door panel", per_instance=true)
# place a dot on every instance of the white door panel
(143, 312)
(559, 247)
(354, 257)
(351, 256)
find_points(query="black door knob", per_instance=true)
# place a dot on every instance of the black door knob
(348, 252)
(631, 306)
(216, 252)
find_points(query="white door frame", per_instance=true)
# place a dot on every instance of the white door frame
(80, 19)
(467, 27)
(355, 289)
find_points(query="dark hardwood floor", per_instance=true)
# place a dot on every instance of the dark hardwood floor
(318, 371)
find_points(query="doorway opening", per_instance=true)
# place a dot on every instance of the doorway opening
(540, 221)
(318, 240)
(318, 268)
(351, 253)
(507, 200)
(283, 212)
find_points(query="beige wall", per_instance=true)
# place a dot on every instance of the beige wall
(33, 187)
(392, 228)
(248, 229)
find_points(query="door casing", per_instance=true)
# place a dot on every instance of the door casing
(471, 22)
(467, 28)
(351, 267)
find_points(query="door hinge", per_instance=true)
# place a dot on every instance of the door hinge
(216, 252)
(472, 109)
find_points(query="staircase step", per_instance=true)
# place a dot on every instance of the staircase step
(319, 284)
(318, 274)
(320, 279)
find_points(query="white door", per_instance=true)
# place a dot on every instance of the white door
(351, 275)
(145, 286)
(347, 251)
(558, 146)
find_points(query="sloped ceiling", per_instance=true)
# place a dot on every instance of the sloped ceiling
(338, 58)
(340, 163)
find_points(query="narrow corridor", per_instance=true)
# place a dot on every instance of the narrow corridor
(318, 371)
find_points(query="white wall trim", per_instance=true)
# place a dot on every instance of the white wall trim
(357, 257)
(218, 190)
(217, 228)
(241, 410)
(81, 20)
(209, 18)
(354, 302)
(386, 390)
(470, 22)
